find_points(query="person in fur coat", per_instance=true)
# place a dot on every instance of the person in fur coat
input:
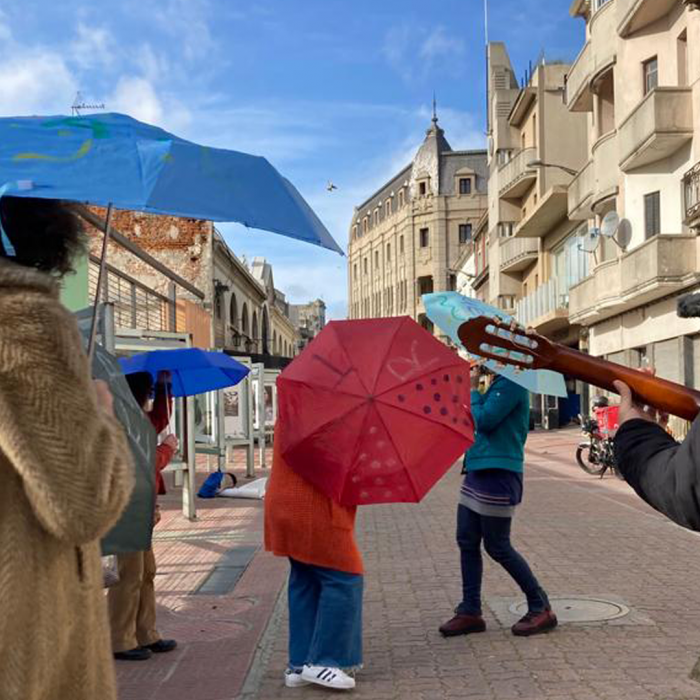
(65, 470)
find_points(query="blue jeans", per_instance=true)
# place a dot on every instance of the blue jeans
(325, 617)
(472, 529)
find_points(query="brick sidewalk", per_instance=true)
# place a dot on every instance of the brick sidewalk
(218, 633)
(583, 536)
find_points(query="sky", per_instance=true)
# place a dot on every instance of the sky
(336, 90)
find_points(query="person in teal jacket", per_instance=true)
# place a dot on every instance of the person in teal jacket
(492, 488)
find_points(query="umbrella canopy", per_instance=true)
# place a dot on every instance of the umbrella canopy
(374, 411)
(112, 158)
(449, 310)
(194, 371)
(132, 533)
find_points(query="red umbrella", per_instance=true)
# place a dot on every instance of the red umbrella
(374, 411)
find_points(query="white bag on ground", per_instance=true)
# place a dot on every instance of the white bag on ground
(255, 489)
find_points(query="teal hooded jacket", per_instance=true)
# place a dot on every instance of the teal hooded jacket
(501, 424)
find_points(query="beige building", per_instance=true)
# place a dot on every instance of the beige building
(525, 254)
(406, 239)
(637, 79)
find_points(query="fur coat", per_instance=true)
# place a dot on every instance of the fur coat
(65, 477)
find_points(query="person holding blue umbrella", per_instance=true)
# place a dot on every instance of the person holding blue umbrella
(491, 491)
(132, 601)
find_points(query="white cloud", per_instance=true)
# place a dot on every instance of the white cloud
(188, 21)
(438, 43)
(137, 97)
(35, 82)
(93, 47)
(415, 51)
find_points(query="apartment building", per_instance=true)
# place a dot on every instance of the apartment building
(637, 80)
(406, 239)
(525, 254)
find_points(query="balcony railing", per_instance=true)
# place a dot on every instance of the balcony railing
(606, 167)
(515, 176)
(660, 124)
(581, 193)
(661, 266)
(544, 302)
(691, 193)
(135, 304)
(518, 253)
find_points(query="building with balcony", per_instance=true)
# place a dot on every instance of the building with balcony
(531, 242)
(637, 79)
(168, 273)
(406, 239)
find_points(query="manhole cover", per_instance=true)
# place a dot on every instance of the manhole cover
(580, 609)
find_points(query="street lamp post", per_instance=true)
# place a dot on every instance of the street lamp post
(541, 164)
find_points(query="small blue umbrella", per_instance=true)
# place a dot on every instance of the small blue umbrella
(449, 310)
(112, 159)
(194, 371)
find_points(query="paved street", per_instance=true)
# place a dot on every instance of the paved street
(585, 538)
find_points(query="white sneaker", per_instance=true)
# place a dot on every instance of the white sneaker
(328, 677)
(293, 679)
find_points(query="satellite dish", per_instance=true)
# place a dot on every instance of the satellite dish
(590, 241)
(610, 224)
(624, 234)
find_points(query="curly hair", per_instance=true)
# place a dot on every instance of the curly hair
(45, 233)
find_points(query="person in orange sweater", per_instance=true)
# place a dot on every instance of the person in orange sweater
(325, 581)
(132, 601)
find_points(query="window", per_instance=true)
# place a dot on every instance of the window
(388, 252)
(465, 185)
(401, 197)
(401, 245)
(354, 271)
(387, 209)
(651, 74)
(453, 283)
(505, 229)
(425, 285)
(366, 266)
(652, 214)
(376, 216)
(465, 233)
(600, 3)
(365, 224)
(424, 238)
(682, 55)
(354, 231)
(376, 260)
(423, 189)
(503, 156)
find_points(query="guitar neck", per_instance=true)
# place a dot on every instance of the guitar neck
(663, 395)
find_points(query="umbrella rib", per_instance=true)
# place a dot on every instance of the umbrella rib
(399, 326)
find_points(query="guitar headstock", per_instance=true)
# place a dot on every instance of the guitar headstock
(493, 339)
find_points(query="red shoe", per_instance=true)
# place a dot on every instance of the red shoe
(535, 623)
(463, 624)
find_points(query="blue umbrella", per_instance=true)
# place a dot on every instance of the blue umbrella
(113, 159)
(193, 371)
(449, 310)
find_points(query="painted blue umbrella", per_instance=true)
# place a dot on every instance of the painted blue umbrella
(449, 310)
(194, 371)
(113, 159)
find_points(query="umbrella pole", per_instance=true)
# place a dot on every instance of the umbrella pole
(100, 282)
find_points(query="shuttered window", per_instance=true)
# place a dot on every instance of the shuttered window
(652, 214)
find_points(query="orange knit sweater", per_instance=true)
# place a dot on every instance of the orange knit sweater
(306, 525)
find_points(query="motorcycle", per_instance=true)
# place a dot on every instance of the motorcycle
(596, 455)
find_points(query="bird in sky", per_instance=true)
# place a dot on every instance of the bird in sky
(330, 186)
